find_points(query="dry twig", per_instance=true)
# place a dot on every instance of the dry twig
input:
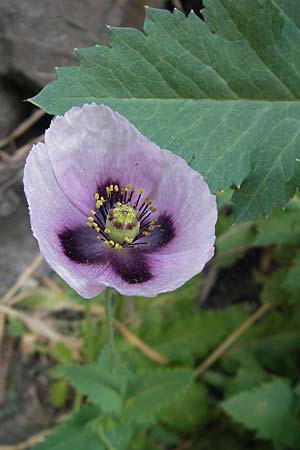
(23, 127)
(22, 279)
(142, 346)
(219, 351)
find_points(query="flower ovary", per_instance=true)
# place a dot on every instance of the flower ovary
(122, 223)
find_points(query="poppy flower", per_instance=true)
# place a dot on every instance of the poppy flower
(110, 208)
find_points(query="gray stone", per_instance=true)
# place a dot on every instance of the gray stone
(38, 35)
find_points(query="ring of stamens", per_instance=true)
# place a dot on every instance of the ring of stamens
(123, 217)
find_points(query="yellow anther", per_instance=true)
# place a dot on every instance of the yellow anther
(128, 240)
(152, 209)
(127, 187)
(141, 191)
(106, 230)
(111, 243)
(118, 246)
(146, 233)
(102, 199)
(132, 188)
(106, 243)
(96, 196)
(111, 187)
(99, 203)
(148, 201)
(92, 212)
(91, 219)
(89, 224)
(135, 247)
(116, 188)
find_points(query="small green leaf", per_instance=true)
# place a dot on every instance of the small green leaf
(100, 385)
(15, 327)
(293, 276)
(76, 434)
(266, 409)
(151, 391)
(62, 353)
(297, 392)
(59, 393)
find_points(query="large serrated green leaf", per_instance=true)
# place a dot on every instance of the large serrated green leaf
(224, 93)
(266, 409)
(195, 336)
(99, 384)
(188, 413)
(151, 391)
(76, 434)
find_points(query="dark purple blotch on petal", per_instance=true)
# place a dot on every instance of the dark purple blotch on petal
(81, 245)
(163, 234)
(131, 265)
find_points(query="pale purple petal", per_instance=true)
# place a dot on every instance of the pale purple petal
(184, 197)
(92, 146)
(51, 213)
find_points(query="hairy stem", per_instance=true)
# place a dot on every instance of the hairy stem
(88, 335)
(111, 337)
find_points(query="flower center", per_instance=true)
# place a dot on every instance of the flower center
(122, 223)
(123, 217)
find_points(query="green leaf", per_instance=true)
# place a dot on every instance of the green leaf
(274, 289)
(15, 327)
(78, 433)
(188, 413)
(215, 92)
(198, 334)
(234, 237)
(164, 436)
(59, 392)
(280, 228)
(62, 353)
(151, 391)
(118, 436)
(99, 384)
(297, 392)
(267, 409)
(293, 276)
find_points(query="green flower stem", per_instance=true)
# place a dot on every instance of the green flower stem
(111, 339)
(89, 341)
